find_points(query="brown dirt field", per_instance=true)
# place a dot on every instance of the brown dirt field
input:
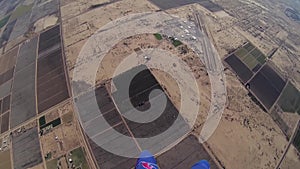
(77, 28)
(5, 161)
(68, 117)
(51, 116)
(63, 108)
(71, 140)
(40, 166)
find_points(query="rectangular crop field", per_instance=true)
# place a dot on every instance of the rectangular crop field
(184, 155)
(267, 86)
(251, 57)
(243, 72)
(290, 99)
(51, 80)
(3, 21)
(101, 126)
(7, 62)
(23, 95)
(26, 149)
(5, 160)
(7, 31)
(168, 4)
(5, 122)
(296, 141)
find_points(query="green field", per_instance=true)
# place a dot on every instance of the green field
(5, 161)
(4, 21)
(249, 47)
(250, 61)
(250, 56)
(79, 159)
(261, 59)
(158, 36)
(289, 101)
(20, 11)
(176, 43)
(241, 53)
(259, 56)
(42, 121)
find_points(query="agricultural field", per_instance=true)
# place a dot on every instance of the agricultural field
(190, 151)
(296, 141)
(267, 86)
(21, 11)
(243, 72)
(7, 31)
(5, 89)
(4, 20)
(7, 62)
(168, 4)
(20, 17)
(252, 57)
(26, 149)
(140, 88)
(249, 63)
(51, 79)
(5, 104)
(23, 89)
(5, 160)
(289, 101)
(5, 122)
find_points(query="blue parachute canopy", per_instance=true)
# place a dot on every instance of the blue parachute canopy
(203, 164)
(146, 161)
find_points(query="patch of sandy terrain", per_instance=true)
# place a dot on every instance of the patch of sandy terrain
(45, 22)
(77, 28)
(291, 160)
